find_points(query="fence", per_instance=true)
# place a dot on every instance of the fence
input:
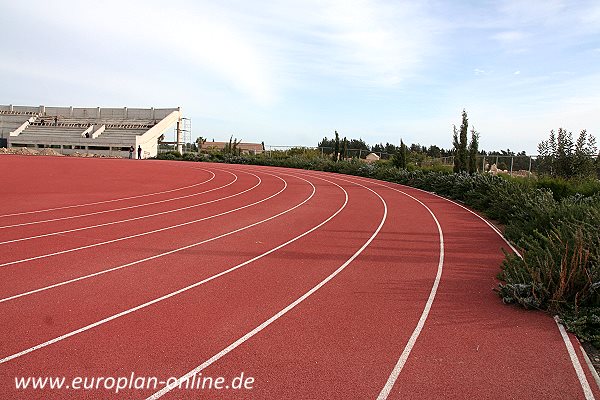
(326, 151)
(514, 165)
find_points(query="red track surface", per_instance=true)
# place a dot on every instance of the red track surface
(313, 284)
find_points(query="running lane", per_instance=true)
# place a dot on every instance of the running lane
(38, 183)
(473, 346)
(25, 242)
(337, 343)
(211, 315)
(316, 293)
(101, 296)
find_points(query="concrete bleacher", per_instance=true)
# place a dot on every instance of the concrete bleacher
(11, 122)
(59, 131)
(105, 131)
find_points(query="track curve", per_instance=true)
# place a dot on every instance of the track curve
(316, 285)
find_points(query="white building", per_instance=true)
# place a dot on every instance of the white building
(104, 131)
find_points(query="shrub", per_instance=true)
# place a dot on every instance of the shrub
(559, 273)
(169, 155)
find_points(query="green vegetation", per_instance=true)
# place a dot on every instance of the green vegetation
(401, 156)
(460, 145)
(473, 150)
(561, 157)
(465, 154)
(232, 146)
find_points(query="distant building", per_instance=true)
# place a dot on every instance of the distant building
(245, 148)
(104, 131)
(371, 157)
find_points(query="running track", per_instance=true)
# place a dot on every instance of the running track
(319, 286)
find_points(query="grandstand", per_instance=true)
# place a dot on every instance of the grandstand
(103, 131)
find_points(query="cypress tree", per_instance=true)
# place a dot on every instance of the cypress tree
(473, 149)
(336, 150)
(401, 156)
(456, 145)
(460, 142)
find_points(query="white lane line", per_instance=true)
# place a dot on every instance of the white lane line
(107, 211)
(160, 254)
(590, 366)
(112, 200)
(587, 390)
(122, 220)
(573, 355)
(175, 293)
(385, 391)
(137, 234)
(513, 248)
(284, 311)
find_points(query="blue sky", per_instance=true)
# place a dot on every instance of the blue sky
(291, 72)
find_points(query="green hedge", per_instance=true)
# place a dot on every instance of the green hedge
(556, 223)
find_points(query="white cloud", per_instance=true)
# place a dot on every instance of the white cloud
(264, 49)
(186, 36)
(388, 68)
(373, 42)
(509, 37)
(359, 43)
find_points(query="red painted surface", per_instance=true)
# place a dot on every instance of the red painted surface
(342, 342)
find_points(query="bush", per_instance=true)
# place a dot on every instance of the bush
(559, 187)
(560, 273)
(169, 155)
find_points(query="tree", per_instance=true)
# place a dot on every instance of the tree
(345, 148)
(232, 146)
(390, 149)
(401, 156)
(199, 142)
(585, 150)
(561, 157)
(434, 152)
(336, 150)
(456, 146)
(460, 145)
(473, 148)
(377, 148)
(326, 145)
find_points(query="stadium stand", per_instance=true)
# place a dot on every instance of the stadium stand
(103, 131)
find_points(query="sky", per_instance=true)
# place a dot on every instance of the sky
(291, 72)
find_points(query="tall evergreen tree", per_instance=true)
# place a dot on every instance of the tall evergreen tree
(456, 145)
(345, 148)
(473, 149)
(336, 150)
(460, 145)
(401, 156)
